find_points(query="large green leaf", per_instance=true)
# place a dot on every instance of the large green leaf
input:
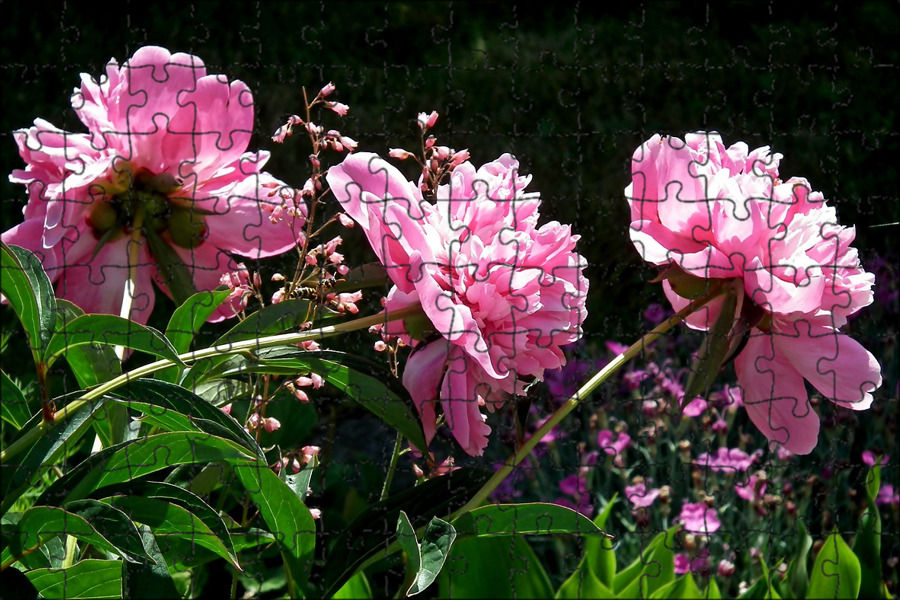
(836, 572)
(14, 408)
(532, 518)
(582, 583)
(356, 588)
(493, 567)
(365, 536)
(426, 558)
(173, 408)
(653, 569)
(85, 579)
(63, 436)
(599, 550)
(149, 579)
(30, 293)
(867, 545)
(187, 320)
(683, 587)
(166, 519)
(798, 575)
(287, 517)
(109, 330)
(135, 458)
(92, 364)
(41, 523)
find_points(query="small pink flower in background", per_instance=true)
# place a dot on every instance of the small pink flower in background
(685, 563)
(699, 518)
(714, 213)
(164, 164)
(726, 459)
(640, 496)
(501, 293)
(577, 497)
(887, 496)
(613, 446)
(869, 458)
(695, 407)
(751, 490)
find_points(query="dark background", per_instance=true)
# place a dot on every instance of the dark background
(570, 90)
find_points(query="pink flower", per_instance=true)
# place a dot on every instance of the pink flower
(500, 295)
(640, 496)
(613, 448)
(696, 564)
(887, 496)
(163, 169)
(715, 213)
(726, 459)
(752, 490)
(699, 518)
(870, 459)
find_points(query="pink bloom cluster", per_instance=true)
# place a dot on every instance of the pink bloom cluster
(714, 213)
(164, 157)
(726, 459)
(500, 294)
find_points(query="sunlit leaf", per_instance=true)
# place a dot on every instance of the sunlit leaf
(836, 572)
(29, 292)
(85, 579)
(14, 408)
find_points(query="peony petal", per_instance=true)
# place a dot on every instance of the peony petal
(837, 365)
(774, 395)
(422, 377)
(459, 399)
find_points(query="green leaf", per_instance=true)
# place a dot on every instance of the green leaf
(14, 408)
(46, 451)
(135, 458)
(173, 408)
(683, 587)
(713, 593)
(797, 575)
(764, 587)
(109, 330)
(713, 350)
(536, 518)
(149, 579)
(187, 320)
(286, 516)
(170, 520)
(30, 293)
(92, 364)
(357, 587)
(364, 537)
(599, 550)
(115, 525)
(836, 572)
(85, 579)
(867, 548)
(41, 523)
(493, 567)
(653, 569)
(582, 583)
(299, 482)
(274, 319)
(426, 558)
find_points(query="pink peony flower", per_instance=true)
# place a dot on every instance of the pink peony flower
(500, 295)
(716, 212)
(164, 169)
(699, 518)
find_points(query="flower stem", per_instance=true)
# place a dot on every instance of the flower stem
(636, 348)
(389, 477)
(188, 357)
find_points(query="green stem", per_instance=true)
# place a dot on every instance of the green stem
(391, 468)
(636, 348)
(188, 357)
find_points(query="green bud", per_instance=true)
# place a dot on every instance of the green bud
(103, 217)
(186, 228)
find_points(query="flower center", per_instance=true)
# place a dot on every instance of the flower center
(140, 199)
